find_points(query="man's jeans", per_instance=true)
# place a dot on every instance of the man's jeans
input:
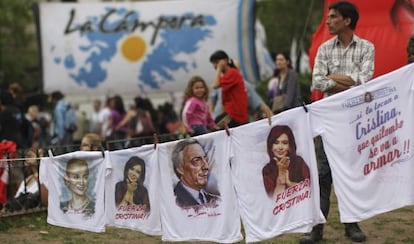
(325, 177)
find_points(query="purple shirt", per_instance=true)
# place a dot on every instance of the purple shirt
(116, 118)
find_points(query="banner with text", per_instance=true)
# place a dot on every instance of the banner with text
(138, 48)
(367, 133)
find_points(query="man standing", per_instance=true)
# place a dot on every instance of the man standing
(341, 63)
(192, 169)
(62, 136)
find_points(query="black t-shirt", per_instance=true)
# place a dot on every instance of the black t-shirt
(11, 121)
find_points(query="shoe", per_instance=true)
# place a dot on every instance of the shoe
(314, 236)
(353, 232)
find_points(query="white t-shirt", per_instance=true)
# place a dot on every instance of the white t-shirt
(267, 211)
(61, 183)
(33, 187)
(369, 145)
(143, 212)
(184, 216)
(104, 117)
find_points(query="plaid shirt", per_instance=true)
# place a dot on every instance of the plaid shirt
(355, 61)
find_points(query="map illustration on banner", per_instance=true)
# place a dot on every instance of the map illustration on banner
(131, 48)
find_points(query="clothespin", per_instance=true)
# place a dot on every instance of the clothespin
(50, 152)
(226, 127)
(304, 106)
(155, 139)
(269, 120)
(102, 150)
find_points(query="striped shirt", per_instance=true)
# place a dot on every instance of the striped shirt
(356, 61)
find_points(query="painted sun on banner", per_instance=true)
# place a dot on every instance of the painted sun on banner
(140, 47)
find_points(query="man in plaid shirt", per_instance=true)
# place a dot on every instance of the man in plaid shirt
(342, 62)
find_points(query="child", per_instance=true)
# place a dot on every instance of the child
(233, 92)
(196, 115)
(91, 142)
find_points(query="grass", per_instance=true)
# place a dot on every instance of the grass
(392, 227)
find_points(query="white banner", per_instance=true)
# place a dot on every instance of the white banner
(136, 48)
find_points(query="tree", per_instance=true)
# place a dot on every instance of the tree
(286, 20)
(18, 45)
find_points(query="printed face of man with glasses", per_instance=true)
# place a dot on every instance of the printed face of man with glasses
(194, 167)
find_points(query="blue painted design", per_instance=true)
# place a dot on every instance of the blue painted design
(162, 60)
(246, 24)
(69, 62)
(157, 66)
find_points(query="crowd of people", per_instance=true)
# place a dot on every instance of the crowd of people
(62, 127)
(228, 100)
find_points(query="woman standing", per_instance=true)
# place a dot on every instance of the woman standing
(287, 90)
(118, 113)
(285, 168)
(234, 95)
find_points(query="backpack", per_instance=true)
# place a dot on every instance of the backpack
(70, 120)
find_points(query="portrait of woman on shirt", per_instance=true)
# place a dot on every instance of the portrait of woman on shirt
(77, 181)
(285, 168)
(131, 190)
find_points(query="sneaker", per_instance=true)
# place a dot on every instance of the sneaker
(314, 236)
(353, 232)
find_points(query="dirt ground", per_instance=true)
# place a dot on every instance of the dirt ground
(392, 227)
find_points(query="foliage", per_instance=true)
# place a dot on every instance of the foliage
(18, 45)
(286, 20)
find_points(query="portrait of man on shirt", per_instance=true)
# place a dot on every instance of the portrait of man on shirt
(191, 165)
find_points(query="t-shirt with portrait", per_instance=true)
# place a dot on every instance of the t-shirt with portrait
(214, 207)
(69, 176)
(141, 212)
(295, 208)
